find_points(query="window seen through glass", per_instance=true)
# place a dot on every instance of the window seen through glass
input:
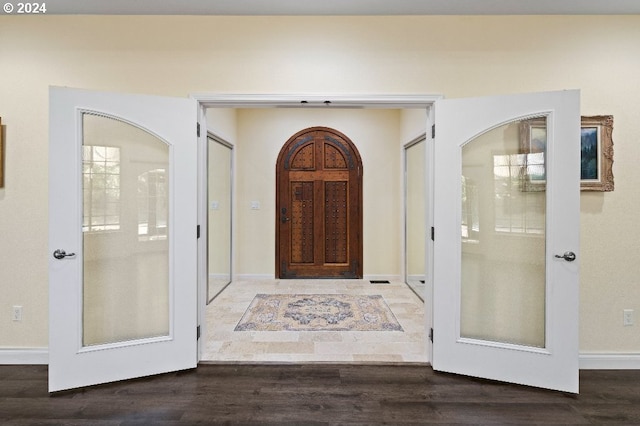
(101, 175)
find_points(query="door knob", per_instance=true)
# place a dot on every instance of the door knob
(569, 256)
(284, 219)
(61, 254)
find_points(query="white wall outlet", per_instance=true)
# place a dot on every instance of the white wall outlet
(215, 205)
(255, 205)
(16, 313)
(627, 317)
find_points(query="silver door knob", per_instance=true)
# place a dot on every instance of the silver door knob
(569, 256)
(61, 254)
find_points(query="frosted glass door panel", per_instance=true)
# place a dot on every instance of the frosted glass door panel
(125, 232)
(503, 235)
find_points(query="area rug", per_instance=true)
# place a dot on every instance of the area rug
(318, 312)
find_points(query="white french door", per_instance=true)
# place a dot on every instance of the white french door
(506, 238)
(122, 239)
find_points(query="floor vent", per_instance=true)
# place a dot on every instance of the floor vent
(379, 281)
(422, 281)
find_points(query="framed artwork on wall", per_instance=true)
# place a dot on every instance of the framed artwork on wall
(596, 142)
(596, 153)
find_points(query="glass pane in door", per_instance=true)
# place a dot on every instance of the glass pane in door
(503, 235)
(125, 232)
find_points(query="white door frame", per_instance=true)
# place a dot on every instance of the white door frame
(209, 100)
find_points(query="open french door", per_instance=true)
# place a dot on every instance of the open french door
(506, 238)
(122, 239)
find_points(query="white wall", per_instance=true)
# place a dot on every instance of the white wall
(454, 56)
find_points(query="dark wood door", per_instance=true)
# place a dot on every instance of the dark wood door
(319, 206)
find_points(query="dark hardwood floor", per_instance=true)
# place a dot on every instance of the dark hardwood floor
(316, 394)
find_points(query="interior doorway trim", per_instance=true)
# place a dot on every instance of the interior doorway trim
(216, 100)
(208, 100)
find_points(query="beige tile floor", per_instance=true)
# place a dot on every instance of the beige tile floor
(222, 343)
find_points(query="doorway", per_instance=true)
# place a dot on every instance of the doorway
(319, 206)
(259, 135)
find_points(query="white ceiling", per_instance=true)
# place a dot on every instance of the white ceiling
(344, 7)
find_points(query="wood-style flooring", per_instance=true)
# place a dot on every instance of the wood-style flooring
(316, 394)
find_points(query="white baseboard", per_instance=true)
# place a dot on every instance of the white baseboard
(26, 356)
(218, 276)
(392, 278)
(610, 361)
(253, 277)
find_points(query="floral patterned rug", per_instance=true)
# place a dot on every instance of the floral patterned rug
(318, 312)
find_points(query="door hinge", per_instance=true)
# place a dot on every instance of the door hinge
(198, 231)
(431, 335)
(433, 233)
(198, 129)
(197, 332)
(433, 131)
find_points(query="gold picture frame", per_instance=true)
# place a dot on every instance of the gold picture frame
(596, 152)
(596, 144)
(533, 146)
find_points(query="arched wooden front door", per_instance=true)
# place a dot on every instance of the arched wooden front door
(319, 206)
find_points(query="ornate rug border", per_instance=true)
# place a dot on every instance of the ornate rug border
(393, 324)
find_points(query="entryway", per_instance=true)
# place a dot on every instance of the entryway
(226, 342)
(314, 142)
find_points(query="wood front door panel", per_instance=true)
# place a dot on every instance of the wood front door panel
(319, 213)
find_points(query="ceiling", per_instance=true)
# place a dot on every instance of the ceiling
(344, 7)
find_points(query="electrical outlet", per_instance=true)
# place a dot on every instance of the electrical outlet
(627, 317)
(16, 313)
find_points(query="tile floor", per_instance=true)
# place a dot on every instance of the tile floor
(222, 343)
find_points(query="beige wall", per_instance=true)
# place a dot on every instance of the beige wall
(454, 56)
(413, 124)
(222, 123)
